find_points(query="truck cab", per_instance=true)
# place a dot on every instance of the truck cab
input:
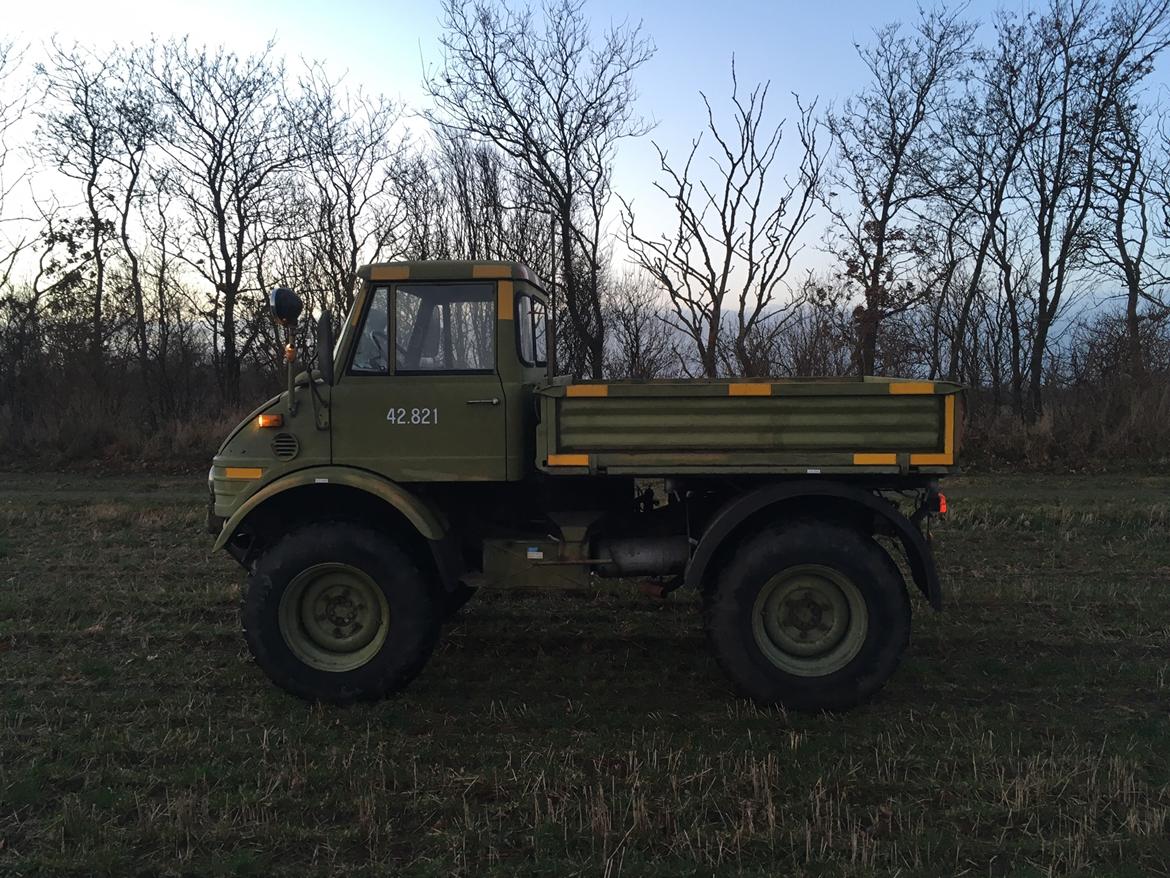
(436, 369)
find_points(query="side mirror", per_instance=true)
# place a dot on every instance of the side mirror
(325, 346)
(286, 306)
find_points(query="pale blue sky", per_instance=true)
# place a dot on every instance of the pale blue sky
(803, 47)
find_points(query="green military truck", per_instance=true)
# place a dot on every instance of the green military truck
(434, 451)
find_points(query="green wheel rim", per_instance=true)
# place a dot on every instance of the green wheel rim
(334, 617)
(810, 620)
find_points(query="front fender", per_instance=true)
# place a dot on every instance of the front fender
(425, 520)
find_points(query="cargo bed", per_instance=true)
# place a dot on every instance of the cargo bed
(807, 426)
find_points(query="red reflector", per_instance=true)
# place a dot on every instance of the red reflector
(942, 504)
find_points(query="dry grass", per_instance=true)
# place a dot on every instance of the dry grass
(1093, 427)
(589, 733)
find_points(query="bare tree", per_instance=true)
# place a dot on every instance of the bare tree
(982, 139)
(75, 135)
(133, 132)
(557, 102)
(14, 100)
(816, 341)
(465, 200)
(1130, 190)
(885, 165)
(736, 235)
(640, 339)
(353, 152)
(229, 154)
(1085, 61)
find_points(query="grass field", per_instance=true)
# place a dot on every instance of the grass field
(1027, 732)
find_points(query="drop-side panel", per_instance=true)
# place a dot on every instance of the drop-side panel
(870, 425)
(732, 424)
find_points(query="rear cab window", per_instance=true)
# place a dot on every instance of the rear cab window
(531, 330)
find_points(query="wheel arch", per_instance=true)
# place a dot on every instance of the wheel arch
(326, 493)
(829, 501)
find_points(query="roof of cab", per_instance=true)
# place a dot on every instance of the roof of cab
(438, 269)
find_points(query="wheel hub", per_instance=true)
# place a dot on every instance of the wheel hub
(334, 617)
(809, 620)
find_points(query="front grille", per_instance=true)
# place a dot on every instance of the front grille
(285, 446)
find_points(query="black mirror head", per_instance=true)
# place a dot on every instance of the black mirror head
(286, 306)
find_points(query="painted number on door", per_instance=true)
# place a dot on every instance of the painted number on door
(413, 417)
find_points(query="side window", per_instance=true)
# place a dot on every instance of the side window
(445, 327)
(530, 331)
(372, 355)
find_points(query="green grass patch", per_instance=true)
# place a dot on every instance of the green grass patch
(585, 733)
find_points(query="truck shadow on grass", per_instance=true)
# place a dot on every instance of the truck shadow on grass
(602, 652)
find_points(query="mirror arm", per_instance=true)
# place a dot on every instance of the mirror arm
(290, 357)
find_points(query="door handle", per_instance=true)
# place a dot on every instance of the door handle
(495, 400)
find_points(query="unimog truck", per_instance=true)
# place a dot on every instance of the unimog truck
(435, 451)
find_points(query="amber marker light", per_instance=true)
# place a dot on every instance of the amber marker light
(276, 420)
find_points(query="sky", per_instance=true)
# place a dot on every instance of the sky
(802, 47)
(385, 46)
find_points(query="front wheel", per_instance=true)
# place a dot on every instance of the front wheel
(338, 612)
(808, 615)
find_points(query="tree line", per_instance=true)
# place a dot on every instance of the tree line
(990, 205)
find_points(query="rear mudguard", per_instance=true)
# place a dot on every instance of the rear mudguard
(728, 520)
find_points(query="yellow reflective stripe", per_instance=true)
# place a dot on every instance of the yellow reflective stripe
(911, 387)
(568, 460)
(505, 300)
(486, 271)
(587, 390)
(358, 305)
(749, 389)
(390, 272)
(947, 458)
(243, 472)
(875, 459)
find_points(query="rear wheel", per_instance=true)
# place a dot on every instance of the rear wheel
(808, 615)
(337, 612)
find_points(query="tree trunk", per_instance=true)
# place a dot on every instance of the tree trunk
(230, 385)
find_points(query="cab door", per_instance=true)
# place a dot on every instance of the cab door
(421, 399)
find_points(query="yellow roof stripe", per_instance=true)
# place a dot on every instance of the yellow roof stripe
(485, 271)
(390, 272)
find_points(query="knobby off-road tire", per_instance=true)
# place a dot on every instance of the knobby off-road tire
(338, 612)
(808, 615)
